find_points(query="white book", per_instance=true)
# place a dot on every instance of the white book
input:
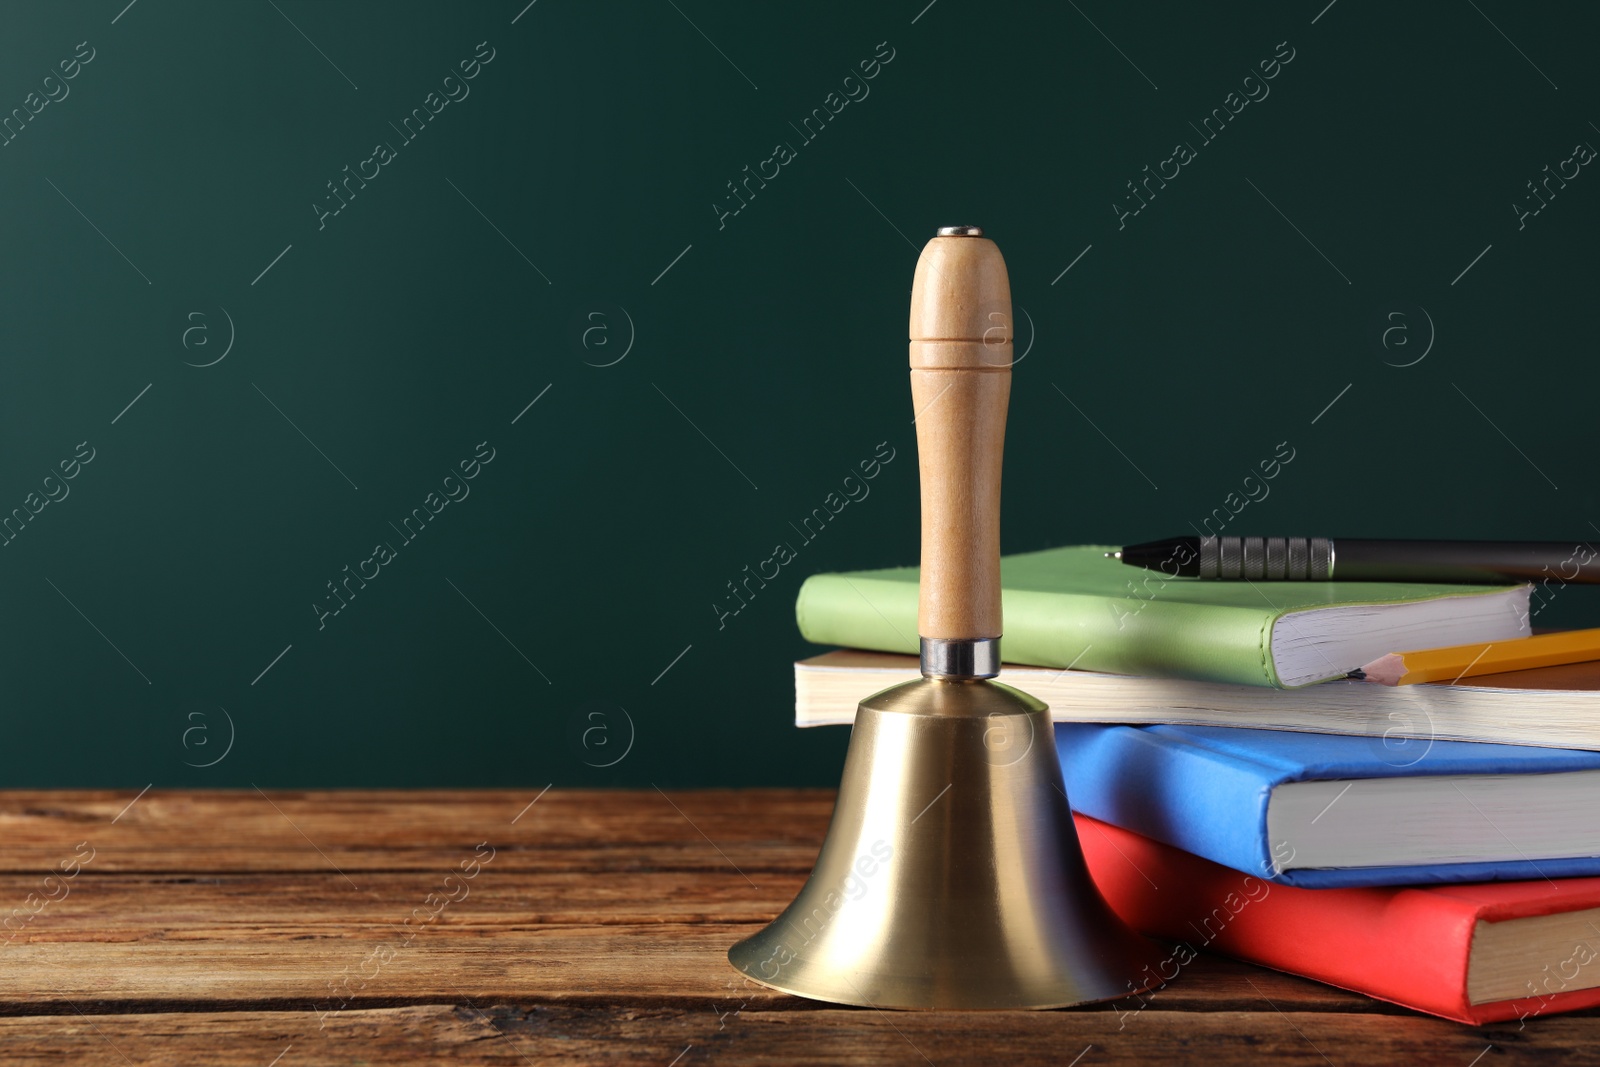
(1556, 707)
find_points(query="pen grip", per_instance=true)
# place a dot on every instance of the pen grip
(961, 358)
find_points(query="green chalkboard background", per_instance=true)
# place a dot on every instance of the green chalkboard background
(561, 231)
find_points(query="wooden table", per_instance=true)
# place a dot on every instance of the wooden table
(577, 927)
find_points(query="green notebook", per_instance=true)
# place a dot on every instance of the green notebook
(1072, 607)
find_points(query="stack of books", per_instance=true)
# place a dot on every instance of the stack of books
(1433, 845)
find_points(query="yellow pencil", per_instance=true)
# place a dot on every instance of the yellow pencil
(1517, 654)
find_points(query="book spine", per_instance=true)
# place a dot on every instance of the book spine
(867, 613)
(1116, 635)
(1410, 947)
(1197, 799)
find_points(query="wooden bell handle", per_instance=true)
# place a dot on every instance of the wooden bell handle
(961, 358)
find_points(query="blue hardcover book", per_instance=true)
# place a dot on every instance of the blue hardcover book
(1322, 810)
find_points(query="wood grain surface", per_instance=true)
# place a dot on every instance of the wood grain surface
(590, 927)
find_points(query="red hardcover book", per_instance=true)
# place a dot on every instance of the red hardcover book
(1476, 953)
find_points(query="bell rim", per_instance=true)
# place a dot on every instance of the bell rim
(823, 993)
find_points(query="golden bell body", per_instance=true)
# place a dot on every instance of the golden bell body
(951, 876)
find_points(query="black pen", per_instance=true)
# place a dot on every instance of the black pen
(1323, 559)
